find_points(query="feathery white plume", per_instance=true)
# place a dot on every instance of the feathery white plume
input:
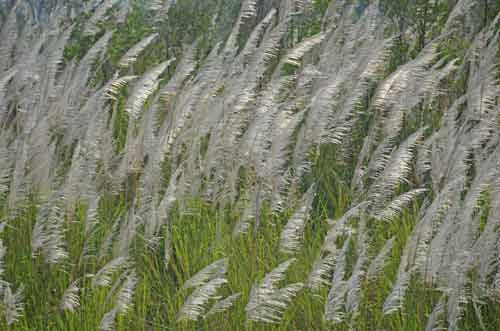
(267, 302)
(195, 305)
(294, 229)
(71, 299)
(145, 87)
(103, 276)
(13, 306)
(113, 88)
(223, 305)
(215, 270)
(131, 56)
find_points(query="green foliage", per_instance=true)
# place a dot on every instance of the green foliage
(361, 6)
(200, 233)
(204, 145)
(65, 154)
(498, 58)
(470, 173)
(198, 238)
(203, 22)
(289, 69)
(79, 42)
(121, 120)
(138, 24)
(491, 8)
(483, 210)
(453, 48)
(425, 17)
(3, 15)
(307, 25)
(332, 180)
(166, 173)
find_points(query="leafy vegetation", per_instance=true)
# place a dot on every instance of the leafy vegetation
(328, 167)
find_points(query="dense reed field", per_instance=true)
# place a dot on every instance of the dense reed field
(250, 165)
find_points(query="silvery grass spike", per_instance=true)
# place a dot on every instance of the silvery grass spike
(341, 227)
(107, 243)
(388, 93)
(459, 290)
(335, 303)
(380, 158)
(133, 53)
(183, 71)
(294, 56)
(3, 251)
(48, 233)
(113, 88)
(124, 9)
(10, 33)
(124, 298)
(144, 88)
(4, 83)
(321, 272)
(223, 305)
(293, 231)
(195, 305)
(355, 281)
(108, 320)
(122, 304)
(6, 164)
(436, 317)
(396, 172)
(257, 35)
(117, 284)
(104, 276)
(397, 206)
(13, 305)
(341, 124)
(100, 12)
(267, 302)
(395, 301)
(249, 213)
(70, 300)
(247, 12)
(161, 8)
(215, 270)
(18, 187)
